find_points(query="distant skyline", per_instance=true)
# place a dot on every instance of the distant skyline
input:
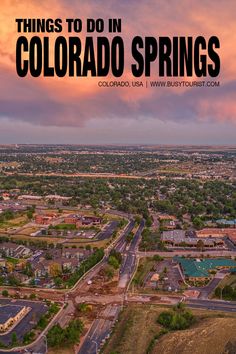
(76, 110)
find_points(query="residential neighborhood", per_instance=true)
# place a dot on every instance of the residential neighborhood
(78, 253)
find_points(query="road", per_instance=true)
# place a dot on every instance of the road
(78, 174)
(121, 243)
(129, 258)
(212, 305)
(191, 253)
(100, 330)
(210, 287)
(102, 326)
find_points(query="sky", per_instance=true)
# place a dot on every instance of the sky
(76, 110)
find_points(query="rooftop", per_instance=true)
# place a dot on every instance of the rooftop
(200, 267)
(9, 311)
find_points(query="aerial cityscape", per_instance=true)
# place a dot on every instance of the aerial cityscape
(117, 177)
(98, 243)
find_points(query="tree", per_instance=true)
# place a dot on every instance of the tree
(149, 222)
(116, 255)
(113, 262)
(58, 336)
(200, 245)
(30, 214)
(14, 339)
(129, 237)
(5, 293)
(2, 345)
(58, 282)
(28, 269)
(28, 337)
(198, 223)
(177, 319)
(42, 323)
(13, 281)
(109, 272)
(157, 258)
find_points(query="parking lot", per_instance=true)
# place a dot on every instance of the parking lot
(28, 322)
(170, 277)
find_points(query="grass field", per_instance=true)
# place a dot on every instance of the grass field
(79, 242)
(16, 222)
(134, 331)
(144, 267)
(210, 336)
(137, 326)
(228, 280)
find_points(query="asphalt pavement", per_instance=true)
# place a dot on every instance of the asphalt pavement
(108, 231)
(227, 306)
(129, 258)
(28, 321)
(100, 330)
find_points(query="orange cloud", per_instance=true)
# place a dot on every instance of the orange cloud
(71, 101)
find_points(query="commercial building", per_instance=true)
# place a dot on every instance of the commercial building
(43, 220)
(180, 238)
(91, 220)
(214, 232)
(229, 223)
(10, 315)
(72, 219)
(200, 269)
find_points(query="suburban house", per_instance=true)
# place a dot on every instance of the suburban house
(10, 249)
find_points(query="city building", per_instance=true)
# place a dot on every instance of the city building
(91, 220)
(72, 219)
(10, 315)
(214, 232)
(200, 269)
(230, 223)
(179, 238)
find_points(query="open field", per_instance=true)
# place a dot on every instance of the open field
(15, 222)
(228, 280)
(134, 331)
(210, 336)
(69, 242)
(137, 326)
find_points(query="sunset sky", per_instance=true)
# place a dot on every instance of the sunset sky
(76, 110)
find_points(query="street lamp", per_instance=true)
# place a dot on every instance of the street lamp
(96, 345)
